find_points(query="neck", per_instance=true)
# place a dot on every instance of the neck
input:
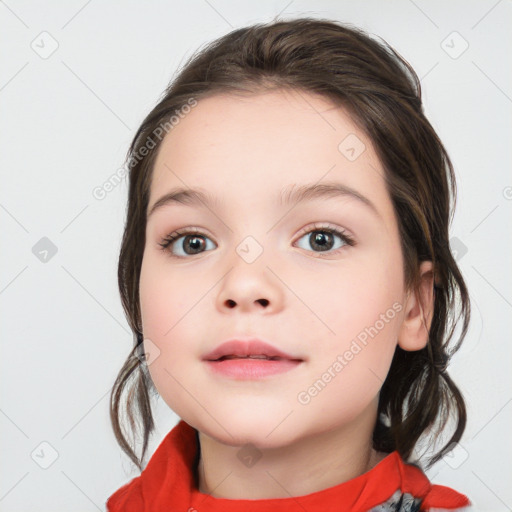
(311, 464)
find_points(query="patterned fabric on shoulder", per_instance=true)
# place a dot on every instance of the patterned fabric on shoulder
(406, 502)
(399, 502)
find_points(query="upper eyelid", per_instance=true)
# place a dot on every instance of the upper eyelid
(316, 226)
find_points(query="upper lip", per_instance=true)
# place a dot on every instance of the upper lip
(247, 347)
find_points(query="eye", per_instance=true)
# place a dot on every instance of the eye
(322, 238)
(190, 241)
(193, 242)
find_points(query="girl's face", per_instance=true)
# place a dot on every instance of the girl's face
(265, 267)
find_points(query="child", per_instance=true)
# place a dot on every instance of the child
(304, 374)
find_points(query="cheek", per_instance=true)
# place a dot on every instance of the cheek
(152, 298)
(163, 295)
(354, 297)
(172, 310)
(161, 310)
(361, 314)
(167, 321)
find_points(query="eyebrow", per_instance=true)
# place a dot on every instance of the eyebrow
(292, 195)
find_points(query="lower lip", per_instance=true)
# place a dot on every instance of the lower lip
(252, 369)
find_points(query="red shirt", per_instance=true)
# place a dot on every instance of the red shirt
(169, 483)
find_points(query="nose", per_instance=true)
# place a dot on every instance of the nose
(250, 287)
(230, 303)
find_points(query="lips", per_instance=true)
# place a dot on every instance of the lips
(248, 348)
(259, 356)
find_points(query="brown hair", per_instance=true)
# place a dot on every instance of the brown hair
(382, 93)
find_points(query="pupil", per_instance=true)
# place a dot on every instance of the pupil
(319, 240)
(195, 242)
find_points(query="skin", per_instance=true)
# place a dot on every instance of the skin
(245, 150)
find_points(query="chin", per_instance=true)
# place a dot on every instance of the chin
(264, 432)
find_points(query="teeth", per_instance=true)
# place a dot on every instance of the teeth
(250, 357)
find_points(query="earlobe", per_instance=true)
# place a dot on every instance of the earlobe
(419, 309)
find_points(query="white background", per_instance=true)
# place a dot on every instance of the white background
(67, 121)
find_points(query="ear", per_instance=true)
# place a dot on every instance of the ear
(414, 332)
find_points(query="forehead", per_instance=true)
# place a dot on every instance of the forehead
(248, 148)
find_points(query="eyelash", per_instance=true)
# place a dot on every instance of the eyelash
(347, 239)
